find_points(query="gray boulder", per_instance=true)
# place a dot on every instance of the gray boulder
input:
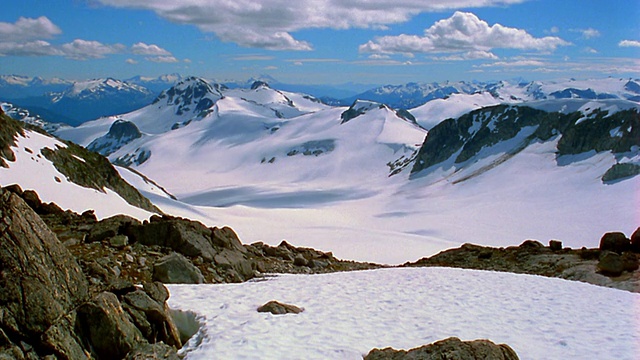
(158, 324)
(450, 349)
(610, 264)
(176, 269)
(235, 261)
(40, 280)
(107, 329)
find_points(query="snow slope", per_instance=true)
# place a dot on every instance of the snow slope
(32, 171)
(348, 314)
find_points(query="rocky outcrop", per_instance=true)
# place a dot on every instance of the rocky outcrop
(120, 134)
(451, 349)
(50, 307)
(595, 266)
(41, 282)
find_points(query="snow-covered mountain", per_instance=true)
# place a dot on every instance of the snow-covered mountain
(255, 157)
(65, 173)
(413, 95)
(86, 100)
(463, 148)
(14, 87)
(156, 84)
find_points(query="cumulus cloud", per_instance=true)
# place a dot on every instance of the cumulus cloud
(268, 24)
(588, 33)
(144, 49)
(31, 48)
(131, 61)
(462, 32)
(80, 49)
(162, 59)
(26, 29)
(629, 43)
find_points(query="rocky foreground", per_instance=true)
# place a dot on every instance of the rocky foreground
(68, 279)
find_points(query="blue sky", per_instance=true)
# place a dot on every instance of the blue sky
(322, 41)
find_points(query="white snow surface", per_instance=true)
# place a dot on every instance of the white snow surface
(347, 314)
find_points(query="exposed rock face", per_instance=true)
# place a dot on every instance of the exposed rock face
(451, 349)
(190, 238)
(40, 279)
(46, 304)
(109, 332)
(462, 139)
(278, 308)
(121, 133)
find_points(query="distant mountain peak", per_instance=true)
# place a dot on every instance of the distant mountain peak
(259, 84)
(191, 94)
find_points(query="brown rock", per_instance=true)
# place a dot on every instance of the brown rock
(450, 349)
(614, 241)
(278, 308)
(555, 245)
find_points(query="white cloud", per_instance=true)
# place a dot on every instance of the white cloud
(553, 30)
(268, 24)
(588, 33)
(629, 43)
(462, 32)
(28, 29)
(80, 49)
(131, 61)
(253, 58)
(76, 50)
(162, 59)
(270, 68)
(470, 55)
(517, 63)
(144, 49)
(590, 50)
(188, 61)
(31, 48)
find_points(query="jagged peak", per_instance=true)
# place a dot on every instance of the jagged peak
(259, 84)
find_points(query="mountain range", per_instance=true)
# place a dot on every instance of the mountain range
(374, 183)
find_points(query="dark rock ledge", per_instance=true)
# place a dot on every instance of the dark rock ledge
(613, 264)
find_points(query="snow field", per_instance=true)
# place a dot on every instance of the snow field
(348, 314)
